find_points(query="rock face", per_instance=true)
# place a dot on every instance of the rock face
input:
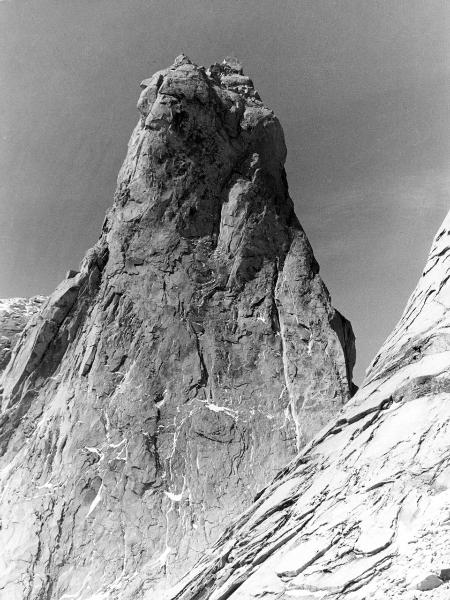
(14, 316)
(364, 511)
(170, 379)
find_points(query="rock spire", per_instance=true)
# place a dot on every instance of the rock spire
(192, 355)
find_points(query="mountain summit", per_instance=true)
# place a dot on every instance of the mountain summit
(190, 358)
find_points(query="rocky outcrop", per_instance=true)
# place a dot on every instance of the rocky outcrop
(363, 511)
(170, 378)
(14, 316)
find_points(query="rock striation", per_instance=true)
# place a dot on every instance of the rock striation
(14, 316)
(363, 512)
(192, 355)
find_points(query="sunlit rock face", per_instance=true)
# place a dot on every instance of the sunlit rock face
(166, 382)
(364, 511)
(15, 313)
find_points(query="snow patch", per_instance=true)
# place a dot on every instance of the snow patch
(174, 497)
(96, 500)
(215, 408)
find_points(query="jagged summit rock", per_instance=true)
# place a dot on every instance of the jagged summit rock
(363, 511)
(166, 382)
(181, 60)
(233, 64)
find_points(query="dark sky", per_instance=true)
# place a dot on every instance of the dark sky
(360, 87)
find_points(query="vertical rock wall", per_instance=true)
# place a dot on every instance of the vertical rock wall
(363, 511)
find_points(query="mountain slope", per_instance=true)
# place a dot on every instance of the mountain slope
(15, 313)
(170, 379)
(364, 511)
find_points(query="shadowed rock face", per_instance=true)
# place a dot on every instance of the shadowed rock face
(14, 316)
(364, 510)
(169, 380)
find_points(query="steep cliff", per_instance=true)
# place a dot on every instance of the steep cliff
(168, 380)
(364, 511)
(14, 316)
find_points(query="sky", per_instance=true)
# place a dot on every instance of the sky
(360, 87)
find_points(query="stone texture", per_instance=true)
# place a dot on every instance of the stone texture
(444, 574)
(365, 507)
(430, 582)
(15, 313)
(166, 382)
